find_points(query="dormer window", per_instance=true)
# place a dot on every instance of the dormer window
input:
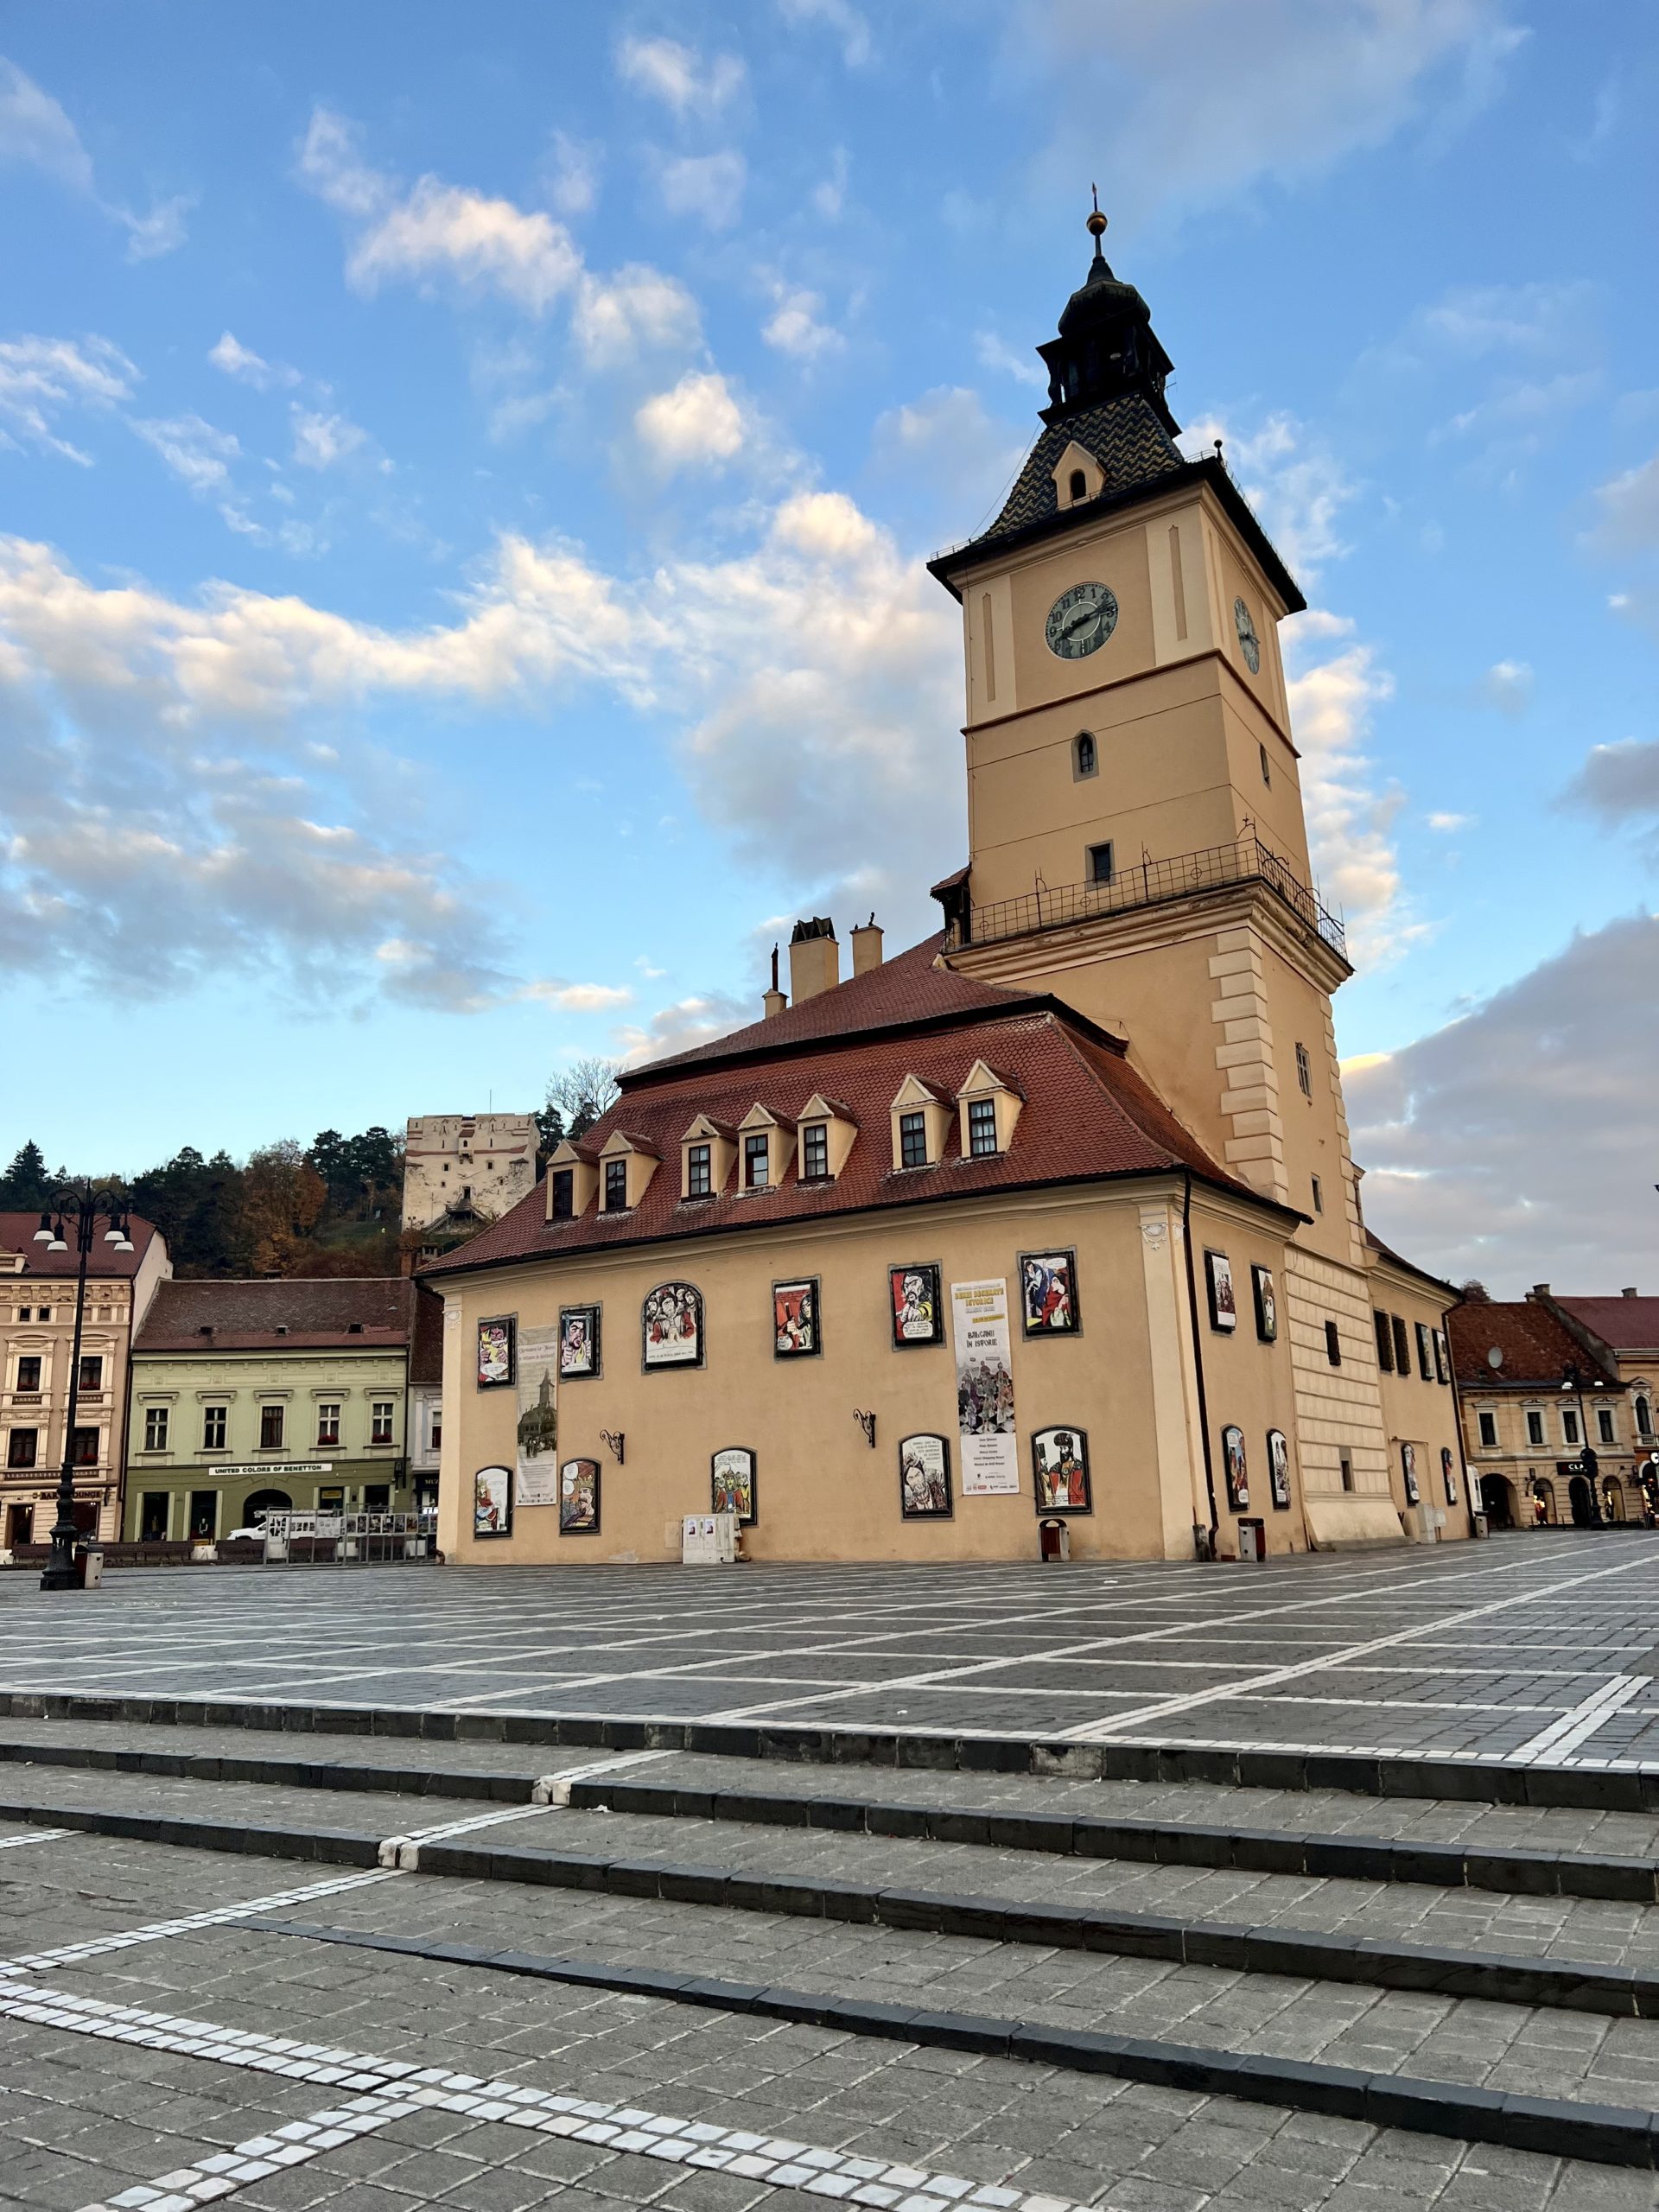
(987, 1108)
(699, 1171)
(815, 1152)
(756, 1155)
(982, 1127)
(1079, 486)
(616, 1185)
(913, 1140)
(561, 1199)
(921, 1123)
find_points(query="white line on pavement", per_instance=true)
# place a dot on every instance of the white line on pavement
(1570, 1729)
(67, 1954)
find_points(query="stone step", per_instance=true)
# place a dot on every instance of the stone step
(1611, 1785)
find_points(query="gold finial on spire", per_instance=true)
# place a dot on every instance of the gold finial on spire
(1096, 221)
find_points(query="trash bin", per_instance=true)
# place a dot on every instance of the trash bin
(89, 1568)
(1477, 1525)
(1253, 1539)
(1056, 1539)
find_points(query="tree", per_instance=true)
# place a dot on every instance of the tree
(197, 1206)
(549, 1132)
(283, 1195)
(1474, 1293)
(26, 1185)
(583, 1092)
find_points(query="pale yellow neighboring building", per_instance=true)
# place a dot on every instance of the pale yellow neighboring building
(1115, 1064)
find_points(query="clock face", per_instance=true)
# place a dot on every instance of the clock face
(1081, 621)
(1249, 644)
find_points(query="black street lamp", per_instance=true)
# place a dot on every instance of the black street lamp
(78, 1206)
(1588, 1461)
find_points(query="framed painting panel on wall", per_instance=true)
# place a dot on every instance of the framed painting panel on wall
(795, 1319)
(1233, 1468)
(1449, 1473)
(916, 1306)
(1409, 1472)
(1048, 1294)
(1279, 1469)
(497, 1342)
(579, 1497)
(1266, 1305)
(671, 1323)
(578, 1342)
(493, 1502)
(731, 1484)
(1060, 1466)
(1219, 1282)
(925, 1478)
(1442, 1358)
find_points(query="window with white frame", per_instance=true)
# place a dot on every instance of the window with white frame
(982, 1127)
(1489, 1431)
(380, 1418)
(913, 1140)
(155, 1428)
(328, 1421)
(271, 1424)
(699, 1171)
(1570, 1425)
(815, 1152)
(1604, 1423)
(1534, 1425)
(616, 1185)
(757, 1156)
(213, 1427)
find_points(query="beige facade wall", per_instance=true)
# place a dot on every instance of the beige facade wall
(1420, 1412)
(1129, 1378)
(486, 1161)
(1339, 1408)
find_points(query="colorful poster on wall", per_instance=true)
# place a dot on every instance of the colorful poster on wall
(731, 1484)
(579, 1497)
(925, 1478)
(979, 1328)
(1048, 1294)
(1059, 1462)
(1449, 1474)
(493, 1502)
(1233, 1467)
(539, 1423)
(578, 1341)
(1266, 1305)
(672, 1325)
(1218, 1278)
(1409, 1473)
(495, 1352)
(795, 1319)
(1279, 1469)
(913, 1295)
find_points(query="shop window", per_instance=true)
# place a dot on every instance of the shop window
(204, 1516)
(377, 1497)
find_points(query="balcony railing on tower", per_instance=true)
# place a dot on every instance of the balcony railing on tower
(1149, 883)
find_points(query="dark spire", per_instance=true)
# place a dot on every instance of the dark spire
(1106, 345)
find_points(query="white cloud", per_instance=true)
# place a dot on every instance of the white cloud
(1350, 822)
(41, 376)
(240, 361)
(321, 440)
(573, 178)
(637, 311)
(696, 425)
(1629, 521)
(436, 231)
(675, 74)
(681, 1026)
(1507, 685)
(577, 998)
(1206, 97)
(1291, 478)
(1447, 825)
(994, 353)
(795, 327)
(1619, 784)
(1515, 1143)
(36, 132)
(947, 444)
(838, 17)
(708, 186)
(829, 197)
(198, 453)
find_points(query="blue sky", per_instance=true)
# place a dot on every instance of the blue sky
(465, 475)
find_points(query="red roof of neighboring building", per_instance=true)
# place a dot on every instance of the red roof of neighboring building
(1629, 1324)
(17, 1234)
(1087, 1116)
(287, 1313)
(1537, 1349)
(902, 991)
(426, 1347)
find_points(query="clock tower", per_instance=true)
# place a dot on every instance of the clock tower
(1137, 843)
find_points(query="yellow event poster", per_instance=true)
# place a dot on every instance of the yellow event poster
(979, 1327)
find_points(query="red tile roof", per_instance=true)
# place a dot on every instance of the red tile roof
(901, 993)
(426, 1349)
(17, 1234)
(1537, 1351)
(1629, 1324)
(1087, 1116)
(292, 1314)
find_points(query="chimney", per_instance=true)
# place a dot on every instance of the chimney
(1632, 1293)
(814, 958)
(774, 1002)
(1538, 1290)
(866, 947)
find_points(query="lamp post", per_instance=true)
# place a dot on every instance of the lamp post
(1572, 1386)
(78, 1206)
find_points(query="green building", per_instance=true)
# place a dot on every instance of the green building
(256, 1397)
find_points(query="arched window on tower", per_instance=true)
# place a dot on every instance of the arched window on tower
(1079, 486)
(1088, 759)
